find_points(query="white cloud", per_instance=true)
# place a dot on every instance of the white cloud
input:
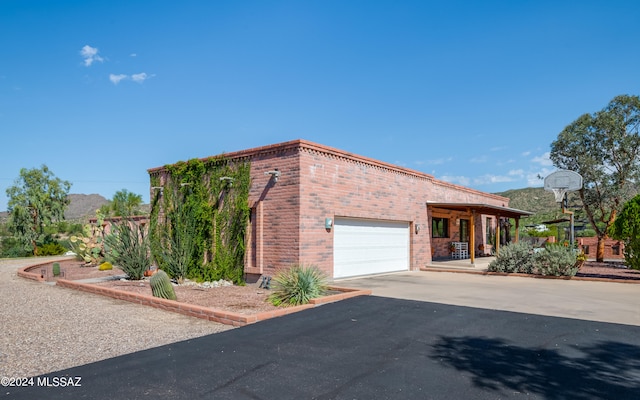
(480, 159)
(460, 180)
(489, 179)
(141, 77)
(516, 172)
(436, 161)
(90, 55)
(534, 178)
(133, 55)
(117, 78)
(525, 153)
(544, 159)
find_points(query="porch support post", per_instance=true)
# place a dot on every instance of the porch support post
(498, 227)
(472, 237)
(517, 230)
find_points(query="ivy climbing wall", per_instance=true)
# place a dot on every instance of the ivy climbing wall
(206, 200)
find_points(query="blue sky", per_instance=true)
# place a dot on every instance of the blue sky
(470, 92)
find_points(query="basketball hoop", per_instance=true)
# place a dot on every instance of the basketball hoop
(561, 182)
(559, 193)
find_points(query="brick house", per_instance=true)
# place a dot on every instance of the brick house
(352, 215)
(613, 249)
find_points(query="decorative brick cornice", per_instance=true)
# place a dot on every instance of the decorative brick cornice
(301, 145)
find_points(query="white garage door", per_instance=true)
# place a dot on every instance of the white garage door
(363, 247)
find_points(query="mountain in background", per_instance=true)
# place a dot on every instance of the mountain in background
(536, 200)
(541, 203)
(81, 207)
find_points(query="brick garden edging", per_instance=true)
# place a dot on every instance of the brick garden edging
(26, 272)
(223, 317)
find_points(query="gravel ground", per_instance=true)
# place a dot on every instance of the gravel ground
(36, 318)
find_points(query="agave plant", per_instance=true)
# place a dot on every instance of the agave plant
(297, 285)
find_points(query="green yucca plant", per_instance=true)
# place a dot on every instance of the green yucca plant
(297, 285)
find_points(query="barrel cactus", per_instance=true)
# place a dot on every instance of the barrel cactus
(161, 286)
(56, 269)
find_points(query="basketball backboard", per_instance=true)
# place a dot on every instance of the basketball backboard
(561, 182)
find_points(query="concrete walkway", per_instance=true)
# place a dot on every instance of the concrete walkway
(593, 301)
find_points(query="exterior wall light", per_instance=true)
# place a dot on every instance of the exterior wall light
(418, 227)
(328, 223)
(275, 174)
(228, 180)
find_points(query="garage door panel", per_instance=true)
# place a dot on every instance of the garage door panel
(370, 246)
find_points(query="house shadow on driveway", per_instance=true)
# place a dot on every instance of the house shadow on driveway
(376, 348)
(601, 370)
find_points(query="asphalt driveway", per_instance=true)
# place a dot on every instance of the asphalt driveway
(376, 348)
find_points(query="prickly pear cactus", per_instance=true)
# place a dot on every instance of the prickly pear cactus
(56, 269)
(89, 246)
(161, 286)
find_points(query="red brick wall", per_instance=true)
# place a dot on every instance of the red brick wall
(318, 182)
(275, 206)
(335, 184)
(613, 249)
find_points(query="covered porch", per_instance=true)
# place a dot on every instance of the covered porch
(464, 231)
(480, 264)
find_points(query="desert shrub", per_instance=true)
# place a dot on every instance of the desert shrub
(51, 249)
(74, 229)
(128, 248)
(297, 285)
(556, 260)
(12, 248)
(626, 227)
(514, 257)
(588, 232)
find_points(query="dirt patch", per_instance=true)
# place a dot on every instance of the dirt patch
(249, 299)
(75, 270)
(608, 270)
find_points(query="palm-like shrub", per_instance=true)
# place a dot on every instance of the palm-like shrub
(556, 260)
(514, 257)
(128, 248)
(297, 285)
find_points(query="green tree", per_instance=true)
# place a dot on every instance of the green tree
(604, 148)
(125, 203)
(626, 227)
(36, 200)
